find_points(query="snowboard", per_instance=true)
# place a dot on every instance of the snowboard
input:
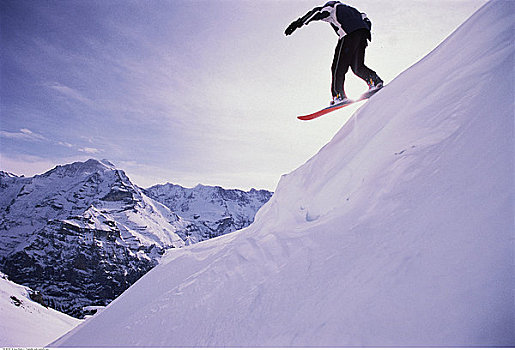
(337, 106)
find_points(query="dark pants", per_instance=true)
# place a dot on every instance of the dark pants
(350, 52)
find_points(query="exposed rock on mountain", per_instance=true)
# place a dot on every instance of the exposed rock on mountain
(212, 210)
(82, 233)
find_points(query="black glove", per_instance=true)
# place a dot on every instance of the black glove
(368, 23)
(293, 26)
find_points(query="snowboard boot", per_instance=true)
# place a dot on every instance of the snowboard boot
(374, 83)
(339, 99)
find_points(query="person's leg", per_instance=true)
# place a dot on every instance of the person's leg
(339, 68)
(358, 62)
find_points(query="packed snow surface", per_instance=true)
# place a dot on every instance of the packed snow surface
(399, 232)
(24, 322)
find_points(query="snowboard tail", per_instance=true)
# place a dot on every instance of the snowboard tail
(325, 111)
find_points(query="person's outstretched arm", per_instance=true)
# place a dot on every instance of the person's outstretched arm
(316, 14)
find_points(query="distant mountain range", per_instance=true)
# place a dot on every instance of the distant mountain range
(82, 233)
(213, 211)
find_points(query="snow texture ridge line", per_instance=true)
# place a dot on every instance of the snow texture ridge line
(399, 232)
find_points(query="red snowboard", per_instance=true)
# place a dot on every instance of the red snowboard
(337, 106)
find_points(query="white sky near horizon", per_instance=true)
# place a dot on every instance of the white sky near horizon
(188, 92)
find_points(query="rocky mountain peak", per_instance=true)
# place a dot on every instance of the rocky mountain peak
(75, 169)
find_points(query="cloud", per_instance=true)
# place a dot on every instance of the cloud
(89, 150)
(65, 144)
(69, 92)
(23, 134)
(28, 135)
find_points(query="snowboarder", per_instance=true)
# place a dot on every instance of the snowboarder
(353, 29)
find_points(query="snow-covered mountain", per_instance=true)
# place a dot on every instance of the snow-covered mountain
(214, 211)
(28, 323)
(82, 233)
(399, 232)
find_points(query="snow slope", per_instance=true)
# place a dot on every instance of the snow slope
(399, 232)
(30, 324)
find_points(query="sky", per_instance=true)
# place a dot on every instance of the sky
(189, 92)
